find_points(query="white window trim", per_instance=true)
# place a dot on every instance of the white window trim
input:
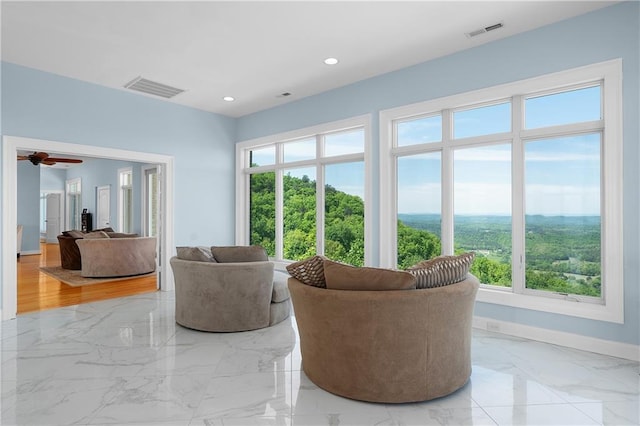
(242, 179)
(612, 310)
(121, 221)
(68, 194)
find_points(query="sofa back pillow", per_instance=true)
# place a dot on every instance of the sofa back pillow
(95, 235)
(231, 254)
(346, 277)
(309, 271)
(74, 233)
(442, 270)
(198, 254)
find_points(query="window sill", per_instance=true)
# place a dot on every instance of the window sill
(610, 312)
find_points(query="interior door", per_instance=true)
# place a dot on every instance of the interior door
(53, 218)
(103, 208)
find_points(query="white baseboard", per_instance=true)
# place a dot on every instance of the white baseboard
(29, 252)
(560, 338)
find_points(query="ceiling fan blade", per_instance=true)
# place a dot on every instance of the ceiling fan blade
(64, 160)
(48, 162)
(23, 157)
(41, 155)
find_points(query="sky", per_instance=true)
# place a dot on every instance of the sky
(562, 174)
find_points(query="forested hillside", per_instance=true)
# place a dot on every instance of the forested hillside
(344, 223)
(563, 253)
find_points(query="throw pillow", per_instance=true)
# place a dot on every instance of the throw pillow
(198, 254)
(95, 235)
(442, 270)
(346, 277)
(239, 254)
(309, 271)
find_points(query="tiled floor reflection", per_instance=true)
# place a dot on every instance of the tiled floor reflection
(126, 362)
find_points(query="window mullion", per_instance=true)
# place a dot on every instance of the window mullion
(279, 203)
(320, 196)
(447, 211)
(517, 197)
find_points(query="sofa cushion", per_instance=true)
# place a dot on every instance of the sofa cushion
(309, 271)
(112, 234)
(280, 289)
(231, 254)
(198, 254)
(74, 233)
(442, 270)
(346, 277)
(107, 229)
(95, 234)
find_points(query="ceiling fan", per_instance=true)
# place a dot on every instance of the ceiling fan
(43, 158)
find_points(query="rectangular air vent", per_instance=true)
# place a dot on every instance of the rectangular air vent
(151, 87)
(484, 30)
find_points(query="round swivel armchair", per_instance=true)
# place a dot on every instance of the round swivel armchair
(388, 346)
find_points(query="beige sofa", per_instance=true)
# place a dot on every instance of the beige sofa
(117, 257)
(233, 296)
(386, 346)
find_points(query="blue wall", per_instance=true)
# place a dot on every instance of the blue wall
(606, 34)
(99, 172)
(40, 105)
(52, 179)
(28, 209)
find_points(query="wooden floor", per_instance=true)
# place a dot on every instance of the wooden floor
(37, 291)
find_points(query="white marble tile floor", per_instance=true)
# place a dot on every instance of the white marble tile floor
(126, 362)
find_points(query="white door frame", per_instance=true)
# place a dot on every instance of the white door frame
(10, 147)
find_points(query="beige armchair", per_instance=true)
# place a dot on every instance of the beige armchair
(386, 346)
(224, 297)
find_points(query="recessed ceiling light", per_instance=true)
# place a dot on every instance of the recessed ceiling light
(331, 61)
(229, 98)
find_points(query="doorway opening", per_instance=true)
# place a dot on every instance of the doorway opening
(11, 146)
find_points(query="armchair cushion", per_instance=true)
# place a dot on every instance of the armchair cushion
(232, 254)
(199, 254)
(280, 290)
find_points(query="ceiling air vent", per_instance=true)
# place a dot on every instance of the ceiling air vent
(484, 30)
(151, 87)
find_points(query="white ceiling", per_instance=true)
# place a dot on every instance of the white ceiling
(254, 51)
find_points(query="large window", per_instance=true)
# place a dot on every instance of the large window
(527, 176)
(303, 193)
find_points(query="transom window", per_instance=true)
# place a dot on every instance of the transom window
(304, 192)
(526, 175)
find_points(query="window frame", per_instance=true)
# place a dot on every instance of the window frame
(121, 196)
(610, 74)
(244, 170)
(69, 183)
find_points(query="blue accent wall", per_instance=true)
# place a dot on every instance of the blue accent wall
(609, 33)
